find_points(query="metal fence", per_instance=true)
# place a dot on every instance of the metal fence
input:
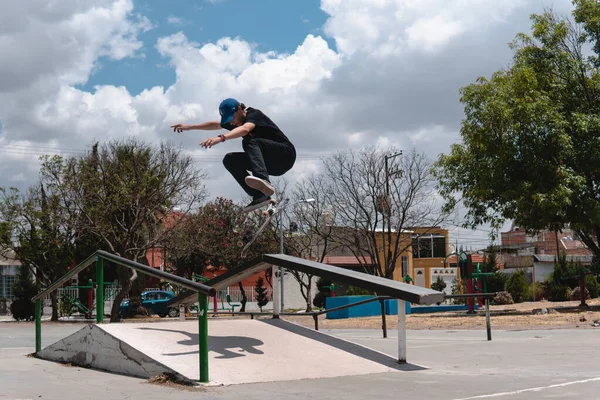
(234, 293)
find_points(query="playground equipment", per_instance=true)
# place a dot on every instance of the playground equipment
(474, 278)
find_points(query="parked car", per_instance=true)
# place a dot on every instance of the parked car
(155, 301)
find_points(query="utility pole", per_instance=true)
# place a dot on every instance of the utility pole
(388, 210)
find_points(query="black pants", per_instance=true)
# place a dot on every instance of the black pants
(263, 157)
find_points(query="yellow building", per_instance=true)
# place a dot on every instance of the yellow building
(430, 247)
(422, 252)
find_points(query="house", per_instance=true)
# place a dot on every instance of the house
(536, 253)
(9, 267)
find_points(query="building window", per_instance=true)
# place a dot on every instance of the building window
(6, 282)
(429, 246)
(404, 265)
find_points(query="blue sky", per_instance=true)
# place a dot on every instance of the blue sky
(271, 25)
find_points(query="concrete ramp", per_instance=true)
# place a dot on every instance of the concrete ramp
(240, 351)
(94, 347)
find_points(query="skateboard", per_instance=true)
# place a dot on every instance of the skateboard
(273, 209)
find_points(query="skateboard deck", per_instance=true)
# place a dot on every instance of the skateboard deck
(273, 209)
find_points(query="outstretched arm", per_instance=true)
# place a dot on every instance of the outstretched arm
(235, 133)
(205, 126)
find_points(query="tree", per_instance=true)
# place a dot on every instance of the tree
(497, 282)
(375, 201)
(313, 237)
(45, 226)
(261, 293)
(214, 236)
(126, 192)
(530, 149)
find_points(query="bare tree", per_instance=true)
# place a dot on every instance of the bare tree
(311, 234)
(376, 198)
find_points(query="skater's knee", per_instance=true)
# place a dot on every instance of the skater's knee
(229, 160)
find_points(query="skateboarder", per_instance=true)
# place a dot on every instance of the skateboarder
(267, 150)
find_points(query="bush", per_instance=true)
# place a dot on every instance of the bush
(537, 291)
(324, 291)
(459, 287)
(439, 284)
(356, 291)
(65, 306)
(503, 298)
(575, 294)
(22, 308)
(496, 283)
(592, 285)
(518, 288)
(559, 292)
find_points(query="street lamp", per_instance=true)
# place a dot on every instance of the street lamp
(281, 270)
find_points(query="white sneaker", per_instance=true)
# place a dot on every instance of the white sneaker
(261, 185)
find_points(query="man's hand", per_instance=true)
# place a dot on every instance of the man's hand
(210, 142)
(180, 128)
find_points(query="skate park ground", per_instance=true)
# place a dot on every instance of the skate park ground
(445, 364)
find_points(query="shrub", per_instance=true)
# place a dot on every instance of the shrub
(439, 284)
(324, 291)
(503, 298)
(496, 283)
(537, 291)
(65, 306)
(518, 288)
(592, 285)
(459, 287)
(559, 292)
(22, 308)
(356, 291)
(575, 294)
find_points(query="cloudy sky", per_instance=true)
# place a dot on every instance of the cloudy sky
(332, 74)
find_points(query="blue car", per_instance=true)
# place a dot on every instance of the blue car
(155, 301)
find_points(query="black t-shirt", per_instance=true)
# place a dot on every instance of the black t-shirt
(264, 127)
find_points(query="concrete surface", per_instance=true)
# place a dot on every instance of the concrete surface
(240, 351)
(516, 365)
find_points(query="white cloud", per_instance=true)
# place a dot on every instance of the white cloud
(384, 27)
(173, 20)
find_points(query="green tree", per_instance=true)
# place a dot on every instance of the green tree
(518, 288)
(214, 236)
(530, 150)
(497, 282)
(126, 192)
(261, 293)
(45, 227)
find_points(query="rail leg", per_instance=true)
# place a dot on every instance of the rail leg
(203, 336)
(276, 291)
(38, 325)
(401, 331)
(487, 319)
(383, 321)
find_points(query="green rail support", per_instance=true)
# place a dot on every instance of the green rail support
(100, 290)
(203, 336)
(38, 325)
(98, 258)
